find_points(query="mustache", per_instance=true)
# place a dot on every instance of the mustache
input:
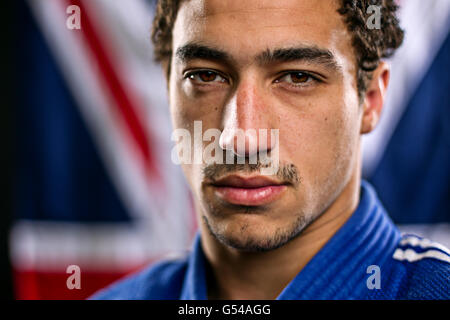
(287, 173)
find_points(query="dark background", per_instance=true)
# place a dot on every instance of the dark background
(6, 115)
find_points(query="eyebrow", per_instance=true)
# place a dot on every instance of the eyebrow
(309, 54)
(193, 51)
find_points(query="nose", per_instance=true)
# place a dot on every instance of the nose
(247, 123)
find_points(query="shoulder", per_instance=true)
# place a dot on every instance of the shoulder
(159, 281)
(425, 267)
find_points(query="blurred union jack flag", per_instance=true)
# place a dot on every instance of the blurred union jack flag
(94, 183)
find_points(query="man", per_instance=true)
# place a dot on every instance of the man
(312, 229)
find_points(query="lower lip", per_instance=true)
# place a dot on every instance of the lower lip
(250, 196)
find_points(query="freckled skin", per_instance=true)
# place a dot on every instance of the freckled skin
(319, 125)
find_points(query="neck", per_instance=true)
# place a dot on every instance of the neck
(233, 274)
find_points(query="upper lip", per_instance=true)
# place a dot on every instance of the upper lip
(235, 181)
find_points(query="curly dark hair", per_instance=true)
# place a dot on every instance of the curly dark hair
(371, 45)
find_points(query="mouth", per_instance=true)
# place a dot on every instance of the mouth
(248, 191)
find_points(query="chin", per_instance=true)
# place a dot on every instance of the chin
(249, 235)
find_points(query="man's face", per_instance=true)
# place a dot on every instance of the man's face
(286, 65)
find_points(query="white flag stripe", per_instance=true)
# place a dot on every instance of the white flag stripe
(52, 246)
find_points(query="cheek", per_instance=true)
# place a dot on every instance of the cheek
(185, 110)
(320, 140)
(189, 105)
(179, 109)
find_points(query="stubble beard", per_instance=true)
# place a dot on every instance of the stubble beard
(246, 242)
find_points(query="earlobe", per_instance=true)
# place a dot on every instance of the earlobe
(374, 98)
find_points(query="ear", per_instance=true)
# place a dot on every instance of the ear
(374, 97)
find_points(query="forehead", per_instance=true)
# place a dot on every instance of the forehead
(244, 28)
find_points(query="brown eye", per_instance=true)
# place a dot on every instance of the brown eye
(206, 76)
(299, 77)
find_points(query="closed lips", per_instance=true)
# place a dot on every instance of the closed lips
(254, 191)
(250, 183)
